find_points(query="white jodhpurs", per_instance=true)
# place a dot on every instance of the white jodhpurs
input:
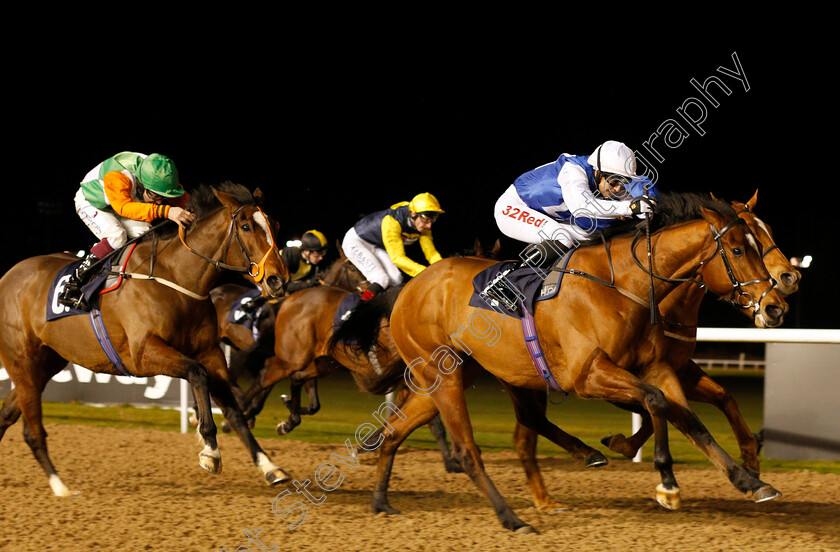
(108, 224)
(372, 261)
(518, 221)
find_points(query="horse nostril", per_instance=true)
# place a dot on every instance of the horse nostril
(274, 282)
(788, 278)
(774, 312)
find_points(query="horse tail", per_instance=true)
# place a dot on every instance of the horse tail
(360, 332)
(389, 380)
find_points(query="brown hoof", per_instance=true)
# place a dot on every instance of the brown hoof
(668, 498)
(526, 530)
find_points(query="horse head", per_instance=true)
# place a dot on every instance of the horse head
(736, 272)
(239, 233)
(786, 276)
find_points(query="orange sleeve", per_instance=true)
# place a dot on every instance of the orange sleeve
(118, 190)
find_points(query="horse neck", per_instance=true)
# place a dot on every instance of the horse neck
(174, 262)
(677, 253)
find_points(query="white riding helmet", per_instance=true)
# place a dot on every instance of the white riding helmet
(614, 157)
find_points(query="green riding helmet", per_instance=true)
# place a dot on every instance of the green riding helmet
(159, 175)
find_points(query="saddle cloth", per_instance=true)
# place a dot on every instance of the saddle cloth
(90, 290)
(530, 284)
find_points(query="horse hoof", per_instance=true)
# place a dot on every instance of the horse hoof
(606, 440)
(283, 428)
(193, 420)
(668, 498)
(225, 427)
(453, 466)
(595, 460)
(211, 463)
(765, 493)
(526, 530)
(277, 477)
(552, 507)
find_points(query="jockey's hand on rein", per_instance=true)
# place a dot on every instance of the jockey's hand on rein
(643, 204)
(180, 216)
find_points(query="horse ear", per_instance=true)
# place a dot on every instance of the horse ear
(753, 200)
(713, 196)
(340, 250)
(496, 248)
(713, 217)
(227, 199)
(478, 250)
(258, 196)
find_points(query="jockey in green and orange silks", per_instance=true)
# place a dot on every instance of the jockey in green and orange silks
(118, 200)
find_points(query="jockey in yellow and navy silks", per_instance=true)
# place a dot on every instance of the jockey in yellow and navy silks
(302, 261)
(376, 244)
(118, 200)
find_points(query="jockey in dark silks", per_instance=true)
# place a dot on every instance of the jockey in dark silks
(303, 261)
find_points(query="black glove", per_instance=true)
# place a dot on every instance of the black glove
(643, 204)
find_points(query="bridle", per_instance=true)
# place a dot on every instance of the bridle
(254, 270)
(738, 293)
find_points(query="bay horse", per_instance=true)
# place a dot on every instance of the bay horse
(154, 329)
(598, 342)
(251, 354)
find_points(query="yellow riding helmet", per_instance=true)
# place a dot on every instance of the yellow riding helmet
(313, 240)
(424, 203)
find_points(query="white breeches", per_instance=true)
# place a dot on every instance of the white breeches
(372, 261)
(107, 224)
(518, 221)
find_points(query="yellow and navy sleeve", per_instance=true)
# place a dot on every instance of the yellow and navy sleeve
(392, 240)
(429, 249)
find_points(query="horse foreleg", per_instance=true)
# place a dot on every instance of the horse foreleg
(220, 389)
(684, 419)
(698, 386)
(606, 380)
(530, 407)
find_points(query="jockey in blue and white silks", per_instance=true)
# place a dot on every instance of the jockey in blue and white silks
(567, 200)
(559, 204)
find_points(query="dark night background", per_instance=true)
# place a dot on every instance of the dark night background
(339, 133)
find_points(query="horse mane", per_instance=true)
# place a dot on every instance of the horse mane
(203, 202)
(671, 208)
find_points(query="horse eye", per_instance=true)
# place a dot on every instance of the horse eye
(737, 251)
(246, 227)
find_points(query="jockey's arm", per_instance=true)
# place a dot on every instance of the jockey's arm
(581, 202)
(428, 247)
(118, 190)
(392, 239)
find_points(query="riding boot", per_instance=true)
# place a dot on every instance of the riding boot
(541, 255)
(71, 295)
(371, 291)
